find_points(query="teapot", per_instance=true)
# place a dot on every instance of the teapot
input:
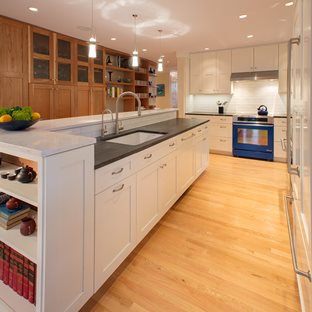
(26, 175)
(262, 110)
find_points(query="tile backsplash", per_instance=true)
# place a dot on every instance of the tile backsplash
(246, 98)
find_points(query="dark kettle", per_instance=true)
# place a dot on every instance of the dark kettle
(262, 110)
(26, 175)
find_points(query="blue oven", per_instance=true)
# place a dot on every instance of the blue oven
(253, 137)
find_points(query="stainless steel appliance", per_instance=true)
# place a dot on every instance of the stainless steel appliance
(253, 137)
(299, 139)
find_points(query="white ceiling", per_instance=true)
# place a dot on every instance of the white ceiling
(188, 25)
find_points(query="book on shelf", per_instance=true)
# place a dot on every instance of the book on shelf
(6, 264)
(32, 282)
(12, 223)
(8, 214)
(1, 259)
(25, 279)
(19, 272)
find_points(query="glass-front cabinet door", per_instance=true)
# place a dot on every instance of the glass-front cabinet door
(41, 55)
(82, 63)
(64, 59)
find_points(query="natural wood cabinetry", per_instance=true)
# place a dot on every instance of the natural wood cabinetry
(14, 63)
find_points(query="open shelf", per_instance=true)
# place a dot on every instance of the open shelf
(25, 245)
(14, 300)
(108, 67)
(120, 83)
(27, 192)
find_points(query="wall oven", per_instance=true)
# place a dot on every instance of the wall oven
(253, 137)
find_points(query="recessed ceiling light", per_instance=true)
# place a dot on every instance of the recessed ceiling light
(207, 49)
(162, 56)
(144, 50)
(113, 39)
(250, 36)
(32, 9)
(289, 3)
(242, 16)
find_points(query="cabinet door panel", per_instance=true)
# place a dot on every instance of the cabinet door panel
(11, 92)
(224, 61)
(82, 106)
(195, 73)
(224, 83)
(209, 63)
(266, 57)
(242, 60)
(147, 200)
(97, 100)
(64, 101)
(209, 83)
(167, 183)
(114, 228)
(41, 99)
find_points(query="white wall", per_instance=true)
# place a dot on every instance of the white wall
(246, 98)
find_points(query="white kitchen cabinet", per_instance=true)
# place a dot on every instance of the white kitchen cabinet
(220, 134)
(115, 232)
(167, 183)
(282, 67)
(210, 72)
(201, 150)
(147, 199)
(260, 58)
(280, 135)
(185, 161)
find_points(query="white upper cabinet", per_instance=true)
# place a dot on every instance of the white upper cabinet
(210, 72)
(255, 58)
(242, 60)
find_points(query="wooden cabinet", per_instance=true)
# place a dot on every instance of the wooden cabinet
(259, 58)
(14, 63)
(89, 100)
(210, 72)
(201, 150)
(115, 235)
(282, 67)
(280, 139)
(52, 101)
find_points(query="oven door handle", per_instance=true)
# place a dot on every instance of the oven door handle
(252, 125)
(291, 170)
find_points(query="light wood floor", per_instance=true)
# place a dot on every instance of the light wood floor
(223, 247)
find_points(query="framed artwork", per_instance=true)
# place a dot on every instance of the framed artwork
(160, 89)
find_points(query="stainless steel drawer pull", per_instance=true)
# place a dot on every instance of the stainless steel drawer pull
(118, 171)
(186, 138)
(283, 143)
(172, 144)
(119, 188)
(148, 156)
(291, 240)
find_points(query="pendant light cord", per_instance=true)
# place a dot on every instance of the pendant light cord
(92, 28)
(135, 31)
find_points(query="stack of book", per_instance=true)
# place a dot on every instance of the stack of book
(9, 218)
(18, 272)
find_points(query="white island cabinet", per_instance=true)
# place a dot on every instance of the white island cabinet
(142, 189)
(63, 195)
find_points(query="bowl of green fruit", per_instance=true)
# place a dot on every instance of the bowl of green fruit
(17, 118)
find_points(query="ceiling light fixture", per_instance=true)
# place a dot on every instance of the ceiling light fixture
(207, 49)
(113, 39)
(160, 66)
(289, 3)
(92, 40)
(250, 36)
(243, 16)
(135, 54)
(144, 50)
(32, 9)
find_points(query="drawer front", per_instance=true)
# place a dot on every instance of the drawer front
(222, 119)
(221, 144)
(279, 152)
(221, 130)
(280, 133)
(112, 173)
(280, 122)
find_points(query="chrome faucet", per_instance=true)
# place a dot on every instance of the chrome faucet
(117, 102)
(104, 129)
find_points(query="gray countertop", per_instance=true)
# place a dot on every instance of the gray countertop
(210, 114)
(107, 152)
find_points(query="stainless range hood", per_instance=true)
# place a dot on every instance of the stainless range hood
(260, 75)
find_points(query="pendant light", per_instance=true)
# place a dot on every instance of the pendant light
(160, 65)
(92, 40)
(135, 54)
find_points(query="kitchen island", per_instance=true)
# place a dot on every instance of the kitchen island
(89, 220)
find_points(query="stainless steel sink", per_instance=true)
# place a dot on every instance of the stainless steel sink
(136, 138)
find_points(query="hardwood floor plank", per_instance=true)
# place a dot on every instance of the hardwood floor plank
(222, 247)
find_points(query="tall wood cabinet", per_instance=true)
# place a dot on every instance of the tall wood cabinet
(14, 63)
(52, 73)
